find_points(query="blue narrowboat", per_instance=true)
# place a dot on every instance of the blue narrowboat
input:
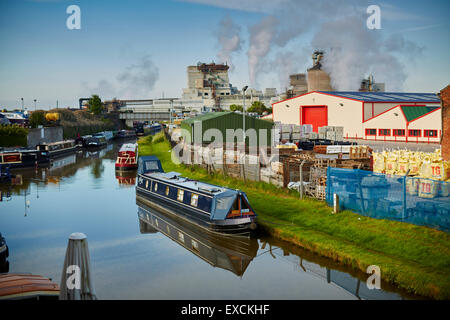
(214, 208)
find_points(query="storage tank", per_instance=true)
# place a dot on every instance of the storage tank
(52, 116)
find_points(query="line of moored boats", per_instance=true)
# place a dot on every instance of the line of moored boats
(43, 154)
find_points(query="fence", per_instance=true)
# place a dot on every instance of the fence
(414, 200)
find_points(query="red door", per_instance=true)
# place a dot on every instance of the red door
(315, 115)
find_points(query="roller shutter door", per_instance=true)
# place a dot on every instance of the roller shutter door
(315, 115)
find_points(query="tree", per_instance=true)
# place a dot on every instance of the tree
(258, 107)
(235, 107)
(37, 118)
(95, 104)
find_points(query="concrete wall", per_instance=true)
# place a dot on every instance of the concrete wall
(41, 135)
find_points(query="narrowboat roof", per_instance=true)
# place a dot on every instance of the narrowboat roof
(58, 142)
(128, 147)
(176, 178)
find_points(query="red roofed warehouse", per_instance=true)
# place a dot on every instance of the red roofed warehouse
(411, 117)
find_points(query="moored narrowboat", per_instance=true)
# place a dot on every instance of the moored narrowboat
(127, 157)
(56, 149)
(214, 208)
(95, 141)
(24, 158)
(125, 134)
(229, 253)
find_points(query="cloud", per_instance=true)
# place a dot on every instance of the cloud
(136, 80)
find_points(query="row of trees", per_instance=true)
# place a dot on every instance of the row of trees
(257, 106)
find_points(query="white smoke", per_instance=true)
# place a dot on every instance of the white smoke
(261, 37)
(229, 40)
(352, 51)
(139, 79)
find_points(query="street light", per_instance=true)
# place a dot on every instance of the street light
(22, 103)
(34, 104)
(243, 114)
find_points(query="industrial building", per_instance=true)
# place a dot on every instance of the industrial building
(366, 115)
(229, 120)
(317, 79)
(209, 89)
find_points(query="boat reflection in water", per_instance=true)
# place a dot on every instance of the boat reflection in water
(229, 253)
(126, 178)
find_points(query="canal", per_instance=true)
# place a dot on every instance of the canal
(137, 253)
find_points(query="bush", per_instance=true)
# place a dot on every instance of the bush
(159, 137)
(37, 118)
(13, 135)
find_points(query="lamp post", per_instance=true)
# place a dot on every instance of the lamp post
(34, 104)
(170, 111)
(22, 103)
(243, 114)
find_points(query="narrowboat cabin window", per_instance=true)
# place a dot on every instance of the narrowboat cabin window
(151, 165)
(224, 203)
(146, 184)
(180, 236)
(156, 187)
(244, 206)
(195, 245)
(194, 200)
(180, 195)
(167, 190)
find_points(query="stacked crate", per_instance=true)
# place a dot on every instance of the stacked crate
(331, 133)
(296, 133)
(276, 133)
(286, 130)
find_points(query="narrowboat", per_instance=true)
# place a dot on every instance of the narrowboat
(24, 158)
(56, 149)
(24, 286)
(155, 128)
(229, 253)
(214, 208)
(4, 251)
(127, 157)
(95, 141)
(108, 135)
(125, 134)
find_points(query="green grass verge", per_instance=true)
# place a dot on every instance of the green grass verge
(414, 258)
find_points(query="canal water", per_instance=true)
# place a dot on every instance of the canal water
(137, 253)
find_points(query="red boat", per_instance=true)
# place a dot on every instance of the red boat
(127, 157)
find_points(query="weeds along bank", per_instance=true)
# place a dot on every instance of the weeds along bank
(80, 122)
(411, 257)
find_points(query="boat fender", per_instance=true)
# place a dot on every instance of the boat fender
(252, 226)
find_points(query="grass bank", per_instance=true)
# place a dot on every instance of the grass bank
(414, 258)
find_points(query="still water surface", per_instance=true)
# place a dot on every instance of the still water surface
(133, 257)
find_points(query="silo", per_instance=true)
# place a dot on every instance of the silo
(318, 80)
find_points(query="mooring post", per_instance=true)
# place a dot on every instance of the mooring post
(301, 179)
(76, 281)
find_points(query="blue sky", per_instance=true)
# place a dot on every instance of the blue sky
(140, 49)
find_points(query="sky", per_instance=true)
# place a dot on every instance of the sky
(140, 49)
